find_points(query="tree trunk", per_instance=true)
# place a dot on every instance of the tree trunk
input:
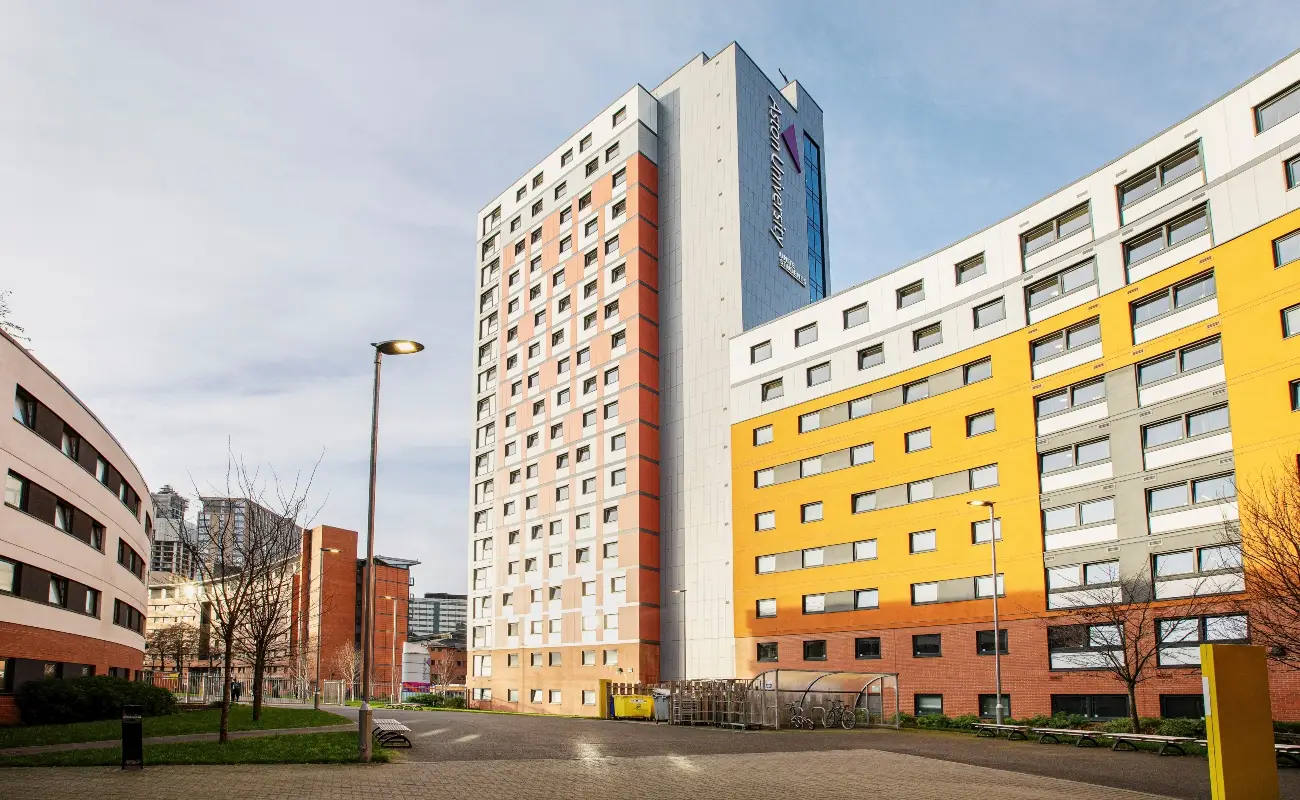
(1133, 708)
(227, 657)
(259, 668)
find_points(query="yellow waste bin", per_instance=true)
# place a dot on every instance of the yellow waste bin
(633, 706)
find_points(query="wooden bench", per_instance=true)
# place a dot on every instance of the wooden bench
(1166, 743)
(1056, 734)
(405, 706)
(1288, 755)
(992, 730)
(391, 733)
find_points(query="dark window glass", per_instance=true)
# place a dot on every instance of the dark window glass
(1185, 706)
(814, 650)
(867, 647)
(767, 651)
(984, 642)
(989, 702)
(927, 645)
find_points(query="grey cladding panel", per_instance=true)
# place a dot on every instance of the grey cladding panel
(835, 415)
(837, 460)
(788, 561)
(891, 496)
(956, 590)
(839, 601)
(947, 381)
(887, 399)
(951, 484)
(786, 472)
(838, 554)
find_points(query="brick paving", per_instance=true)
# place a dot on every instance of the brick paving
(828, 774)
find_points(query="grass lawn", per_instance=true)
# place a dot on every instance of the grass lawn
(301, 748)
(206, 721)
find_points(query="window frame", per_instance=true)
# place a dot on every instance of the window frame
(1290, 93)
(1053, 226)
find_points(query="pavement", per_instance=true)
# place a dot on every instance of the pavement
(467, 755)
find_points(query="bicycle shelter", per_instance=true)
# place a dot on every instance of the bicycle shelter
(875, 693)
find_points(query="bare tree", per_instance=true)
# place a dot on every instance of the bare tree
(442, 666)
(6, 324)
(234, 563)
(178, 642)
(1122, 629)
(1270, 531)
(346, 662)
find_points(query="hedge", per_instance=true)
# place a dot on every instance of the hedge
(56, 701)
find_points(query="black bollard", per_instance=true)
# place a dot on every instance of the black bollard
(132, 737)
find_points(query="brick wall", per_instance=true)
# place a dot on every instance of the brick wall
(22, 641)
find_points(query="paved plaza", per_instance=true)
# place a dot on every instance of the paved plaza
(459, 755)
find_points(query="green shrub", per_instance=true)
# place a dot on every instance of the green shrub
(933, 721)
(1116, 726)
(437, 700)
(1174, 726)
(965, 722)
(56, 701)
(905, 720)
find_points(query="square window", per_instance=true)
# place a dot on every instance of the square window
(862, 454)
(923, 542)
(814, 650)
(765, 609)
(911, 294)
(866, 599)
(980, 531)
(980, 423)
(924, 593)
(983, 477)
(871, 356)
(990, 313)
(767, 651)
(760, 352)
(866, 647)
(763, 435)
(1291, 321)
(764, 477)
(805, 335)
(918, 440)
(620, 116)
(765, 520)
(989, 703)
(916, 391)
(819, 374)
(970, 269)
(855, 316)
(978, 371)
(811, 512)
(864, 550)
(984, 642)
(929, 336)
(611, 152)
(928, 645)
(864, 501)
(773, 390)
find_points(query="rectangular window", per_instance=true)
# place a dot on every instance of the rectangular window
(864, 501)
(765, 608)
(862, 454)
(773, 390)
(17, 491)
(1281, 106)
(911, 294)
(767, 651)
(760, 352)
(871, 356)
(970, 269)
(1286, 249)
(814, 650)
(1291, 321)
(1293, 173)
(1148, 181)
(929, 336)
(1295, 395)
(866, 647)
(811, 512)
(989, 703)
(819, 374)
(920, 490)
(855, 316)
(25, 408)
(864, 550)
(1080, 394)
(1172, 298)
(916, 391)
(977, 371)
(764, 477)
(8, 576)
(924, 593)
(611, 152)
(989, 313)
(917, 440)
(1071, 222)
(980, 531)
(620, 177)
(1193, 357)
(765, 520)
(984, 642)
(1174, 232)
(923, 542)
(927, 645)
(805, 335)
(1071, 338)
(859, 407)
(763, 435)
(984, 477)
(980, 423)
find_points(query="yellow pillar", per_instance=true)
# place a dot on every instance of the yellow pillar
(1238, 722)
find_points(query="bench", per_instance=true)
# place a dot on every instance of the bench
(391, 733)
(1166, 743)
(405, 706)
(1055, 735)
(992, 730)
(1288, 755)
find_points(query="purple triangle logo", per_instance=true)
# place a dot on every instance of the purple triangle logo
(792, 147)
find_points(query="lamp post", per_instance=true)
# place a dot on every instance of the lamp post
(320, 619)
(395, 347)
(997, 630)
(682, 593)
(392, 656)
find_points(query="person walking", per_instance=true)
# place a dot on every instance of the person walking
(236, 689)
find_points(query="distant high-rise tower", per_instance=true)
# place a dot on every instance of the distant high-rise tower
(167, 553)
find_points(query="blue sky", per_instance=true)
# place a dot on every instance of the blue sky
(209, 210)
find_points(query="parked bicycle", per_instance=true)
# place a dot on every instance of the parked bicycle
(839, 714)
(798, 719)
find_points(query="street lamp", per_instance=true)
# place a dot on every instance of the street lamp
(682, 592)
(997, 631)
(320, 620)
(393, 347)
(392, 657)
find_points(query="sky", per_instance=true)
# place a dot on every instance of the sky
(208, 210)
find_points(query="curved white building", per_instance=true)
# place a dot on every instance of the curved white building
(74, 537)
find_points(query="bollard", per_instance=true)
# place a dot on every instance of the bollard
(132, 737)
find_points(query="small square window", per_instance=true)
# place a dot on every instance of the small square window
(760, 352)
(929, 336)
(978, 371)
(805, 335)
(990, 313)
(916, 391)
(765, 520)
(763, 435)
(862, 454)
(928, 704)
(864, 501)
(611, 152)
(866, 647)
(911, 294)
(928, 645)
(923, 542)
(765, 609)
(767, 651)
(984, 642)
(855, 316)
(980, 423)
(814, 650)
(871, 356)
(620, 116)
(970, 269)
(819, 374)
(764, 477)
(773, 390)
(811, 512)
(918, 440)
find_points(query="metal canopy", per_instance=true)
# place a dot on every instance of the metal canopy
(856, 689)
